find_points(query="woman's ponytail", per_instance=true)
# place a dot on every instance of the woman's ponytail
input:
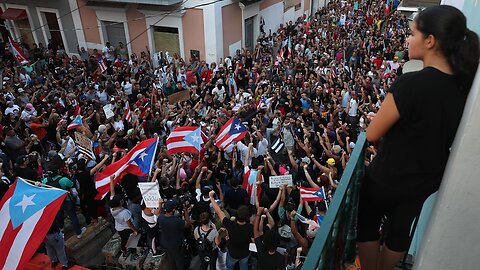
(459, 44)
(465, 59)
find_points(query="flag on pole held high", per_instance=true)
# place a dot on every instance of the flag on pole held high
(187, 139)
(77, 122)
(102, 65)
(127, 112)
(26, 214)
(278, 145)
(138, 161)
(17, 52)
(312, 194)
(232, 131)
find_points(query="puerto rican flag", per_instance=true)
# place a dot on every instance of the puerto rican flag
(77, 122)
(312, 194)
(26, 214)
(102, 65)
(232, 131)
(77, 110)
(17, 52)
(263, 103)
(128, 113)
(63, 120)
(187, 139)
(249, 182)
(138, 161)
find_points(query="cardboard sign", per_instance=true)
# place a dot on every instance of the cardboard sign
(179, 97)
(84, 145)
(150, 193)
(108, 111)
(83, 140)
(278, 181)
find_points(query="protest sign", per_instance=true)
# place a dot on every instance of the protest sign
(84, 145)
(108, 111)
(277, 181)
(150, 194)
(179, 97)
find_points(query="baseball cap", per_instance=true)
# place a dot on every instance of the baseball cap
(331, 162)
(306, 160)
(170, 205)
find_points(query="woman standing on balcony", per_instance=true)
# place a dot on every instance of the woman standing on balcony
(417, 124)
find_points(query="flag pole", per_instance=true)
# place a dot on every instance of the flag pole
(36, 183)
(154, 155)
(325, 200)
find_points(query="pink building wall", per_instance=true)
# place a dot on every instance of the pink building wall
(89, 23)
(136, 29)
(232, 26)
(193, 32)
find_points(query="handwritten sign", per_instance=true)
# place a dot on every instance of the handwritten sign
(277, 181)
(150, 194)
(108, 111)
(179, 97)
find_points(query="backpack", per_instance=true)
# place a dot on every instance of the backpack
(203, 244)
(55, 182)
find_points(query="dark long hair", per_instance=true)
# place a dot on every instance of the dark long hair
(459, 44)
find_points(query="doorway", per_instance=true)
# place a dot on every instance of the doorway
(249, 42)
(52, 28)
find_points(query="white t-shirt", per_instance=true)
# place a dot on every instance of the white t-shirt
(121, 217)
(353, 108)
(14, 109)
(127, 88)
(262, 148)
(220, 92)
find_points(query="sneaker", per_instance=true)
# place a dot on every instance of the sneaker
(158, 253)
(53, 264)
(64, 267)
(81, 234)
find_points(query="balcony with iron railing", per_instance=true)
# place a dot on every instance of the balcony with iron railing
(334, 247)
(144, 2)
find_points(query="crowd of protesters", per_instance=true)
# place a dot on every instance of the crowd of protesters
(312, 98)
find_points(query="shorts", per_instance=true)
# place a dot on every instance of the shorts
(399, 208)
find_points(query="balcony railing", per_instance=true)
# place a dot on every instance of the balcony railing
(335, 244)
(144, 2)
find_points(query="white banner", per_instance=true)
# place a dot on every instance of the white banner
(277, 181)
(108, 111)
(150, 194)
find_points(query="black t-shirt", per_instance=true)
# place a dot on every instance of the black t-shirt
(235, 197)
(266, 261)
(413, 154)
(87, 185)
(26, 173)
(239, 238)
(168, 192)
(172, 231)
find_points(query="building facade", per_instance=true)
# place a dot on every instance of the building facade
(209, 29)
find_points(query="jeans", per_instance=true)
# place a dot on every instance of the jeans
(55, 245)
(136, 211)
(176, 258)
(243, 263)
(70, 208)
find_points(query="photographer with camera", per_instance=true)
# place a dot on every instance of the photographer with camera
(55, 179)
(25, 164)
(207, 240)
(172, 236)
